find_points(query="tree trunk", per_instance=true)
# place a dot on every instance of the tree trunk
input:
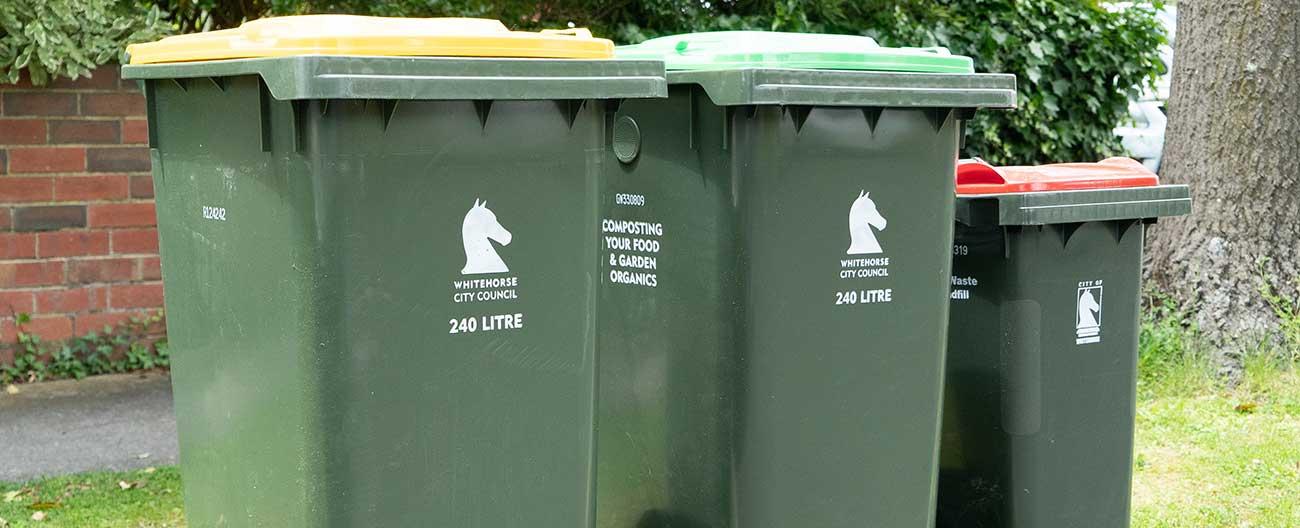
(1234, 137)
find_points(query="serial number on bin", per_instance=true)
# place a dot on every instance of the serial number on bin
(214, 213)
(486, 323)
(629, 199)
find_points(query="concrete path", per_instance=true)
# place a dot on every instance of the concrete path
(116, 422)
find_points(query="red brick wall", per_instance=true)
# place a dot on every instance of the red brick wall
(78, 243)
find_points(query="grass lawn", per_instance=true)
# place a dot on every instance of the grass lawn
(1206, 455)
(132, 499)
(1212, 457)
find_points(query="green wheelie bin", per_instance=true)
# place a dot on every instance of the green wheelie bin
(379, 242)
(1042, 343)
(787, 373)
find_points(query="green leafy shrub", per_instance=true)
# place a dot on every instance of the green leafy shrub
(127, 347)
(1077, 65)
(1077, 61)
(69, 38)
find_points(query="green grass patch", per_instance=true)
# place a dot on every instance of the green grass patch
(1208, 455)
(133, 499)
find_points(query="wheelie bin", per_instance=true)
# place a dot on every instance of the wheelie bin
(1042, 344)
(799, 189)
(379, 243)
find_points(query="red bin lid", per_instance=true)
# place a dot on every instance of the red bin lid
(978, 177)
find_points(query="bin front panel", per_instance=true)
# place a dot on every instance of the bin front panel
(462, 384)
(382, 314)
(1040, 397)
(844, 232)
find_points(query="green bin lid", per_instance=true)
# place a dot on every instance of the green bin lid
(769, 49)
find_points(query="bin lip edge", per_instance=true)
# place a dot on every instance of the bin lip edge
(1121, 203)
(994, 90)
(292, 77)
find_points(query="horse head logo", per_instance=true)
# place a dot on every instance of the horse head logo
(1089, 309)
(477, 233)
(863, 216)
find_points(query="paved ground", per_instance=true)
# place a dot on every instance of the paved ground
(114, 422)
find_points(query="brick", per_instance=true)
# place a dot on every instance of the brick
(39, 103)
(122, 215)
(71, 300)
(14, 190)
(6, 219)
(26, 274)
(142, 186)
(95, 322)
(47, 159)
(49, 217)
(102, 78)
(150, 268)
(50, 327)
(22, 131)
(16, 302)
(71, 244)
(135, 131)
(118, 159)
(112, 104)
(92, 188)
(87, 271)
(17, 246)
(131, 241)
(79, 131)
(4, 161)
(136, 295)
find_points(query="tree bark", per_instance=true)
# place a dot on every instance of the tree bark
(1234, 137)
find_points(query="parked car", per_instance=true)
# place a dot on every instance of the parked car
(1144, 137)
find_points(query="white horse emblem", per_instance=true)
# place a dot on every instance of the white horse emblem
(862, 217)
(1088, 310)
(480, 228)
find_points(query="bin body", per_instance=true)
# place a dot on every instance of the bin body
(1042, 350)
(380, 288)
(818, 200)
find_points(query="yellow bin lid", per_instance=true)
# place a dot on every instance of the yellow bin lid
(372, 36)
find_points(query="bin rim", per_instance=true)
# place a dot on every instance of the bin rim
(794, 86)
(424, 78)
(1073, 206)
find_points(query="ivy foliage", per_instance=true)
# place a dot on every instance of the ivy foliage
(69, 38)
(127, 347)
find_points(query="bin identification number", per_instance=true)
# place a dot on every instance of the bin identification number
(214, 213)
(629, 199)
(486, 323)
(960, 250)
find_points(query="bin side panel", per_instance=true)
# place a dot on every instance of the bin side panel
(845, 237)
(666, 322)
(971, 488)
(237, 235)
(462, 393)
